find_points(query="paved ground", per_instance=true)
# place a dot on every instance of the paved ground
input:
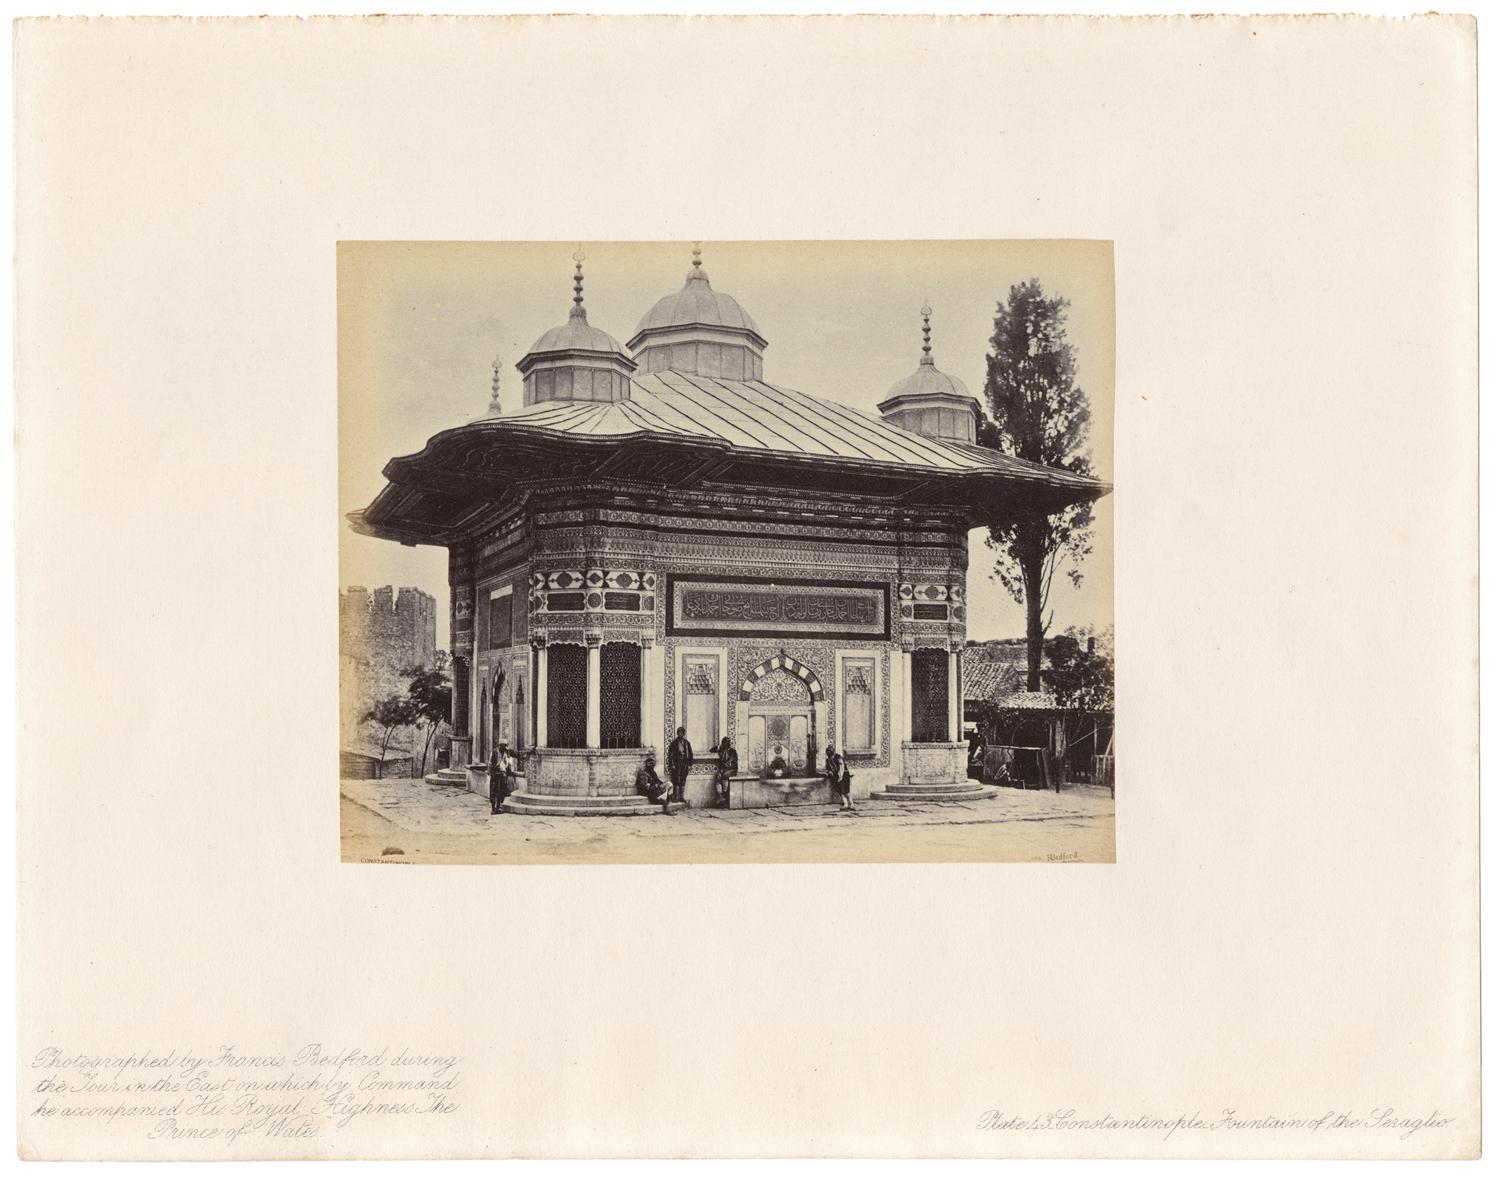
(426, 825)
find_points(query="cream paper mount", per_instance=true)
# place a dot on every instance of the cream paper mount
(1280, 961)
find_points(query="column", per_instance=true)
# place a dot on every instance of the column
(459, 755)
(460, 711)
(906, 694)
(647, 649)
(540, 692)
(955, 707)
(651, 726)
(591, 706)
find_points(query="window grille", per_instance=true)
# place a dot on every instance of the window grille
(567, 696)
(620, 695)
(500, 621)
(929, 690)
(517, 619)
(484, 725)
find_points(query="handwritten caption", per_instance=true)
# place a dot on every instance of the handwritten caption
(228, 1094)
(1382, 1118)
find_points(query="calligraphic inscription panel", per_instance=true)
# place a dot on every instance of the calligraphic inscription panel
(776, 608)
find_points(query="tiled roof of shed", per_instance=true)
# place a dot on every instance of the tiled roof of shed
(757, 415)
(1000, 678)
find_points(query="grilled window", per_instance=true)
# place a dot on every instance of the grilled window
(929, 695)
(620, 695)
(567, 694)
(518, 619)
(500, 623)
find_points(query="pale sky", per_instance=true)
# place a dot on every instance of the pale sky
(419, 324)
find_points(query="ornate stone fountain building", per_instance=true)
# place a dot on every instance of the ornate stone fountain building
(659, 538)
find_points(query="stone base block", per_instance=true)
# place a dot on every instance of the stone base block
(461, 754)
(673, 807)
(749, 793)
(940, 764)
(447, 779)
(556, 804)
(960, 791)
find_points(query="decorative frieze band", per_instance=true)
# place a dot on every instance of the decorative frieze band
(573, 590)
(930, 601)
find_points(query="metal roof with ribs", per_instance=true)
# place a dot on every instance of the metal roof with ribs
(683, 429)
(757, 415)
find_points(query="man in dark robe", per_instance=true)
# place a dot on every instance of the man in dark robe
(502, 769)
(728, 766)
(836, 769)
(679, 762)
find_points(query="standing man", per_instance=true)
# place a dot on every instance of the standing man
(729, 765)
(836, 769)
(976, 755)
(502, 769)
(679, 761)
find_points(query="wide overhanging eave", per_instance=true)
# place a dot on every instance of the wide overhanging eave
(467, 475)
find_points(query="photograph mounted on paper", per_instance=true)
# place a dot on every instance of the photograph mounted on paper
(829, 582)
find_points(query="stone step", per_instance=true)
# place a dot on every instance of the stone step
(558, 805)
(963, 791)
(448, 778)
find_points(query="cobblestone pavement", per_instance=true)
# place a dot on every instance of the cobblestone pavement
(433, 825)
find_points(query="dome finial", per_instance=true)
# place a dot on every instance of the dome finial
(697, 275)
(578, 258)
(927, 334)
(495, 386)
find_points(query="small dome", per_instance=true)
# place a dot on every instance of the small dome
(927, 379)
(932, 403)
(697, 304)
(576, 333)
(575, 362)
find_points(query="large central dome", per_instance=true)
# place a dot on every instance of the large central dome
(697, 304)
(699, 331)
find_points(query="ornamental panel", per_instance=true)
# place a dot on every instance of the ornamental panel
(750, 607)
(780, 687)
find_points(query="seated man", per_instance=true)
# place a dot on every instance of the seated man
(647, 783)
